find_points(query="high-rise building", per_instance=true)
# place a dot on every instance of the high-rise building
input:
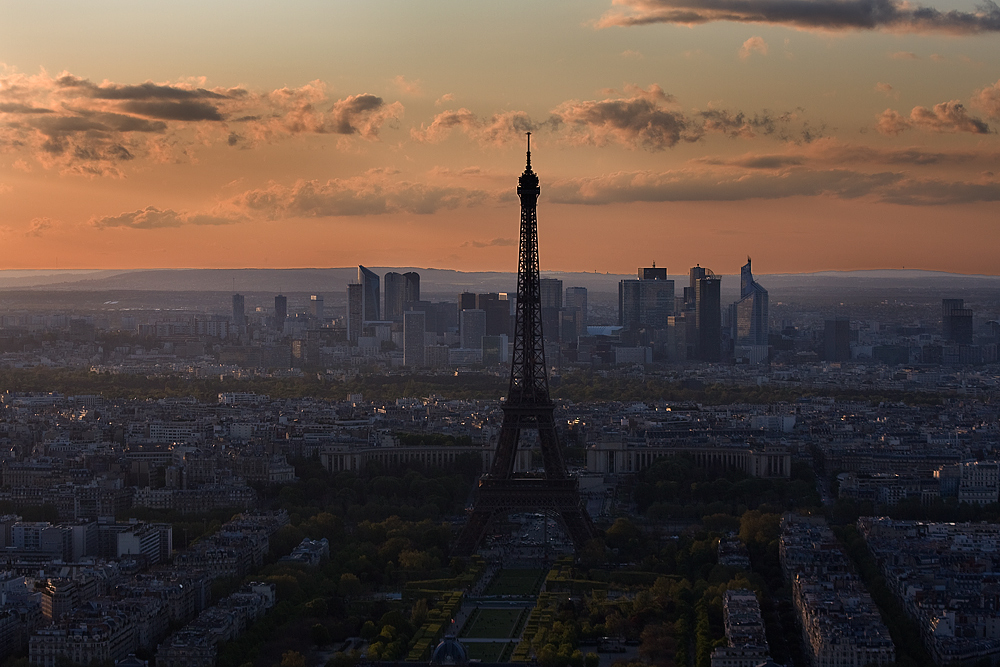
(689, 292)
(837, 339)
(413, 338)
(646, 301)
(316, 308)
(497, 309)
(400, 289)
(371, 305)
(394, 296)
(280, 311)
(551, 293)
(239, 312)
(708, 315)
(411, 286)
(956, 321)
(355, 311)
(576, 297)
(749, 315)
(472, 325)
(466, 300)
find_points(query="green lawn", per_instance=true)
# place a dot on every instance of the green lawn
(486, 651)
(493, 623)
(516, 582)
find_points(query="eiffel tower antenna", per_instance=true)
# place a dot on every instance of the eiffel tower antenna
(528, 406)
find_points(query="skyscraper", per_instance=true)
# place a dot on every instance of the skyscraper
(956, 321)
(466, 300)
(400, 289)
(413, 338)
(239, 312)
(472, 325)
(355, 311)
(394, 296)
(837, 339)
(411, 286)
(749, 315)
(497, 309)
(371, 304)
(646, 301)
(316, 308)
(576, 297)
(280, 312)
(707, 314)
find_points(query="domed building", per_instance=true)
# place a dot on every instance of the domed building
(450, 652)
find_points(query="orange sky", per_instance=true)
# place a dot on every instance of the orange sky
(388, 134)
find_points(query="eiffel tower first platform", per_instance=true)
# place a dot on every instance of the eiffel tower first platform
(528, 406)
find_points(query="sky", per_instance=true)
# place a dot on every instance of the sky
(811, 135)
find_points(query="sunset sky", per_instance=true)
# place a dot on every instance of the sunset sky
(809, 134)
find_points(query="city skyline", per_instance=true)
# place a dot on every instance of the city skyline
(814, 138)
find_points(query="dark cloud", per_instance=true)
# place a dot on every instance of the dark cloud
(346, 112)
(351, 197)
(154, 218)
(711, 186)
(827, 15)
(142, 91)
(639, 121)
(495, 243)
(22, 109)
(186, 110)
(944, 117)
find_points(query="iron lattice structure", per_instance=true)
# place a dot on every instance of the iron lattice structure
(528, 406)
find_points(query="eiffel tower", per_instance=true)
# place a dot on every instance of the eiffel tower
(528, 406)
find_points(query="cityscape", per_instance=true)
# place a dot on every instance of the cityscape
(631, 333)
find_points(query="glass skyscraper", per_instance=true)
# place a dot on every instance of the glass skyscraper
(749, 315)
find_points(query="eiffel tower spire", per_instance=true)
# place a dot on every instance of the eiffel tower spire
(528, 406)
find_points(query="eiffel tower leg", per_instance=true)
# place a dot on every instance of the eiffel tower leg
(510, 432)
(472, 534)
(552, 456)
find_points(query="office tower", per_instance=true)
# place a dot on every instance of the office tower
(708, 315)
(400, 289)
(576, 297)
(472, 325)
(551, 294)
(280, 311)
(689, 297)
(497, 309)
(652, 273)
(647, 301)
(749, 315)
(316, 307)
(371, 310)
(394, 296)
(355, 311)
(956, 321)
(411, 286)
(550, 290)
(466, 301)
(239, 312)
(837, 339)
(414, 325)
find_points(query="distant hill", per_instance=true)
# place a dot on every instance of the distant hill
(335, 280)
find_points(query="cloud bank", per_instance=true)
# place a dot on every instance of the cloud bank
(821, 15)
(80, 127)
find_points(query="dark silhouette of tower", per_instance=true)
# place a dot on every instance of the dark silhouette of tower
(528, 406)
(280, 311)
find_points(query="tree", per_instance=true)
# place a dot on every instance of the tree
(292, 659)
(319, 635)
